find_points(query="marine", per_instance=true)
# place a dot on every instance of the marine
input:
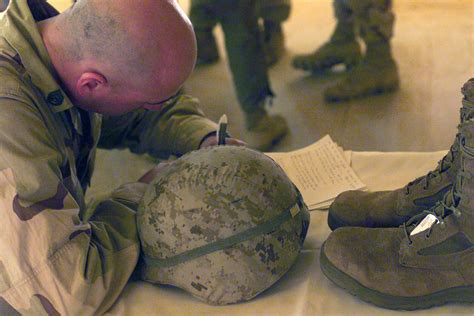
(245, 51)
(102, 74)
(370, 73)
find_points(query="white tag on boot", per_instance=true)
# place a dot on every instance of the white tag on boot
(425, 224)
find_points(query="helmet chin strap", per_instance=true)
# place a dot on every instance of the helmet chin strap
(262, 229)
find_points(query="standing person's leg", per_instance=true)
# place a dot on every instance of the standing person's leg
(246, 59)
(377, 73)
(202, 15)
(342, 47)
(273, 13)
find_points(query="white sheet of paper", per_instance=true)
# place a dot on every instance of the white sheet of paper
(320, 171)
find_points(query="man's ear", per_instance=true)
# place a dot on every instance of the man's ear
(92, 84)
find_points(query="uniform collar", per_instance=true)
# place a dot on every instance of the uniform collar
(19, 29)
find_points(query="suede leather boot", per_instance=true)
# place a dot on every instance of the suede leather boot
(377, 73)
(342, 48)
(264, 130)
(392, 208)
(428, 261)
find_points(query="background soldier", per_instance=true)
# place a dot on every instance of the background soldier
(271, 14)
(243, 40)
(376, 71)
(104, 73)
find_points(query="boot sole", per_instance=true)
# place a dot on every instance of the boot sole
(462, 294)
(371, 92)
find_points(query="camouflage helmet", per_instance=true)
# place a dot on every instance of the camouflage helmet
(222, 223)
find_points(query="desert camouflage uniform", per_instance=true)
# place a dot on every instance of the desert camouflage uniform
(374, 17)
(58, 255)
(371, 73)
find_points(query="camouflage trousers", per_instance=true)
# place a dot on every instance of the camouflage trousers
(239, 21)
(373, 18)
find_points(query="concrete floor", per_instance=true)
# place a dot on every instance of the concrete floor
(434, 47)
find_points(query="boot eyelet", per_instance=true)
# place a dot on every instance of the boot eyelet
(427, 236)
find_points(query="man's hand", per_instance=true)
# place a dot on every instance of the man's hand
(151, 174)
(211, 140)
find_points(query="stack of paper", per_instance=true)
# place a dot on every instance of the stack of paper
(320, 171)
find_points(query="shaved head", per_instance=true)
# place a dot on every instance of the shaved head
(145, 47)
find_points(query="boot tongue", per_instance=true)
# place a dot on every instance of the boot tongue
(435, 215)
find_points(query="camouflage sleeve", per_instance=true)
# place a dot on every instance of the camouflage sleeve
(53, 260)
(175, 130)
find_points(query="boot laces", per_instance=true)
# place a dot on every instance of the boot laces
(466, 113)
(443, 165)
(448, 205)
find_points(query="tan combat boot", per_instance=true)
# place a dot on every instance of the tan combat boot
(377, 73)
(426, 262)
(329, 55)
(392, 208)
(342, 48)
(264, 130)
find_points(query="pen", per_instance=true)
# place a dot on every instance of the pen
(222, 130)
